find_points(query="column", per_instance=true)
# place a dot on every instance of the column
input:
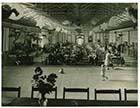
(115, 36)
(129, 42)
(71, 37)
(57, 37)
(95, 37)
(5, 39)
(128, 37)
(75, 38)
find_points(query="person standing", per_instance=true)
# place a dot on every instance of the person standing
(103, 70)
(108, 60)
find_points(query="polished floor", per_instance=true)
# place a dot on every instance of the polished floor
(75, 76)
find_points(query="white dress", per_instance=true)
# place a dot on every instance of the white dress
(103, 69)
(107, 59)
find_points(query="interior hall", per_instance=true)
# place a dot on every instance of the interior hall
(87, 49)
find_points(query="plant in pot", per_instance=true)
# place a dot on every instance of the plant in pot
(45, 84)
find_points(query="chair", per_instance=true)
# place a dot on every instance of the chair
(36, 89)
(129, 91)
(12, 89)
(108, 92)
(86, 90)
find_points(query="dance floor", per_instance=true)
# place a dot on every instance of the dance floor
(74, 76)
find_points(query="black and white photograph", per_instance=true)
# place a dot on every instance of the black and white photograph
(69, 54)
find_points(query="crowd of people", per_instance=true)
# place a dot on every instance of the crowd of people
(71, 53)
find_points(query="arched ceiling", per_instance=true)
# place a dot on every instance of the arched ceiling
(82, 13)
(87, 16)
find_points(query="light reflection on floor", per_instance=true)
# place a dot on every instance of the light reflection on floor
(75, 76)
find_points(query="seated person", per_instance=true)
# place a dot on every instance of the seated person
(116, 53)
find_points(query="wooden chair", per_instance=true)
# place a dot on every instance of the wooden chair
(86, 90)
(129, 91)
(108, 92)
(12, 89)
(36, 89)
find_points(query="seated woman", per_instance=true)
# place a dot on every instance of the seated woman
(73, 57)
(116, 53)
(92, 57)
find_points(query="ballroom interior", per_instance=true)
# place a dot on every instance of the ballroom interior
(87, 49)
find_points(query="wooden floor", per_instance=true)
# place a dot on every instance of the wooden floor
(75, 76)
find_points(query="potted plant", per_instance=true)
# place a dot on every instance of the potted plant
(45, 84)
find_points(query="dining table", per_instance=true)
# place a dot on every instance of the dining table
(25, 101)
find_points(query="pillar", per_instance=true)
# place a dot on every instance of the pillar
(95, 37)
(129, 42)
(5, 39)
(115, 36)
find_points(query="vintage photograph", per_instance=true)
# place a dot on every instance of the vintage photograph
(69, 54)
